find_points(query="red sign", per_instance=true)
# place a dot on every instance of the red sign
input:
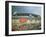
(23, 19)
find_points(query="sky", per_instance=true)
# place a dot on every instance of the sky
(26, 9)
